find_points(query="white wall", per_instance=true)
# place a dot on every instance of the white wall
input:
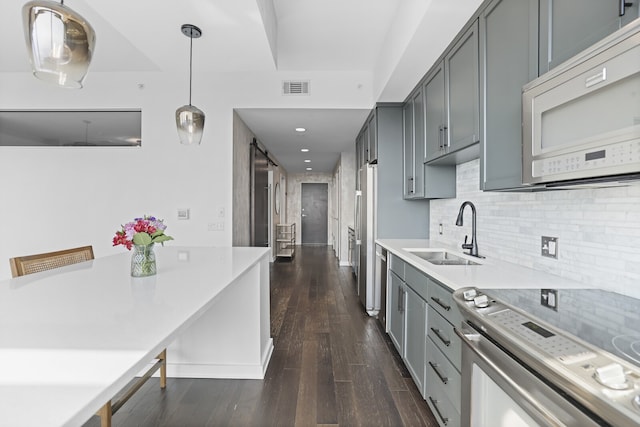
(54, 198)
(598, 229)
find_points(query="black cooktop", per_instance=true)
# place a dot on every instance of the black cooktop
(607, 320)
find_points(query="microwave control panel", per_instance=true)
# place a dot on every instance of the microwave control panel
(625, 153)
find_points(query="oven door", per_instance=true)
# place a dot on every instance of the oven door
(497, 391)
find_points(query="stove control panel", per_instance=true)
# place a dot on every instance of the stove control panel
(552, 352)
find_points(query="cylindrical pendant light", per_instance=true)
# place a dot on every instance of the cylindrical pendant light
(60, 42)
(190, 119)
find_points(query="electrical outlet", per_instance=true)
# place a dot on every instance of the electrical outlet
(183, 213)
(549, 298)
(216, 226)
(549, 247)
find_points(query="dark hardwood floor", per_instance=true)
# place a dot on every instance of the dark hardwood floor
(332, 365)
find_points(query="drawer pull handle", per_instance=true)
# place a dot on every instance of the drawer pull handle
(434, 402)
(444, 379)
(441, 304)
(443, 339)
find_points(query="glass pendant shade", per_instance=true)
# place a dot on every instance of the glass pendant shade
(190, 124)
(60, 42)
(190, 119)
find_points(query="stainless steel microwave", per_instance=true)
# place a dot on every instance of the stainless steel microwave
(581, 121)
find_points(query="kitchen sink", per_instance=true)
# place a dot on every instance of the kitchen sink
(441, 257)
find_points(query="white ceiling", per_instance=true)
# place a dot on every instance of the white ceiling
(376, 36)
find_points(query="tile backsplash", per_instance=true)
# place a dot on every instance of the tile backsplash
(598, 229)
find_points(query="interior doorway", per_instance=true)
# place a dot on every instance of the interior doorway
(314, 215)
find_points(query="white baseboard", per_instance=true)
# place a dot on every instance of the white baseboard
(220, 371)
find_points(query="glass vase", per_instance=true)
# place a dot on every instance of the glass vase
(143, 261)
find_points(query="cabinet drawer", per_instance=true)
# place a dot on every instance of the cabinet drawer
(441, 333)
(397, 266)
(442, 374)
(441, 299)
(417, 280)
(443, 410)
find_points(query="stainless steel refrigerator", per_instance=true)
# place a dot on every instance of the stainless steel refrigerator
(368, 290)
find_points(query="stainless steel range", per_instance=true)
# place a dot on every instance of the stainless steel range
(568, 357)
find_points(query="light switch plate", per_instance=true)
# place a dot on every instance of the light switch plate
(183, 213)
(549, 247)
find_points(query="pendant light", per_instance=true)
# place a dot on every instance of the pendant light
(190, 119)
(60, 42)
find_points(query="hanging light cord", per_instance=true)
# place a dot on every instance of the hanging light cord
(190, 63)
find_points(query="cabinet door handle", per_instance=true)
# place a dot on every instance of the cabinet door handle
(434, 402)
(400, 300)
(444, 379)
(411, 185)
(622, 7)
(441, 137)
(441, 304)
(445, 137)
(443, 339)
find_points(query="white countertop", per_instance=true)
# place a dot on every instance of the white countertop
(490, 273)
(71, 338)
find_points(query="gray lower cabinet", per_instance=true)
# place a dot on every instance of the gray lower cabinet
(442, 379)
(569, 26)
(421, 326)
(508, 60)
(416, 324)
(444, 350)
(396, 308)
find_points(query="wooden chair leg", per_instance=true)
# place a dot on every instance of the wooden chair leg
(105, 415)
(163, 368)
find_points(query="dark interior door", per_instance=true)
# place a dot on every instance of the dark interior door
(314, 213)
(259, 198)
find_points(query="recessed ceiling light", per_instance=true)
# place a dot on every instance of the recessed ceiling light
(309, 169)
(307, 161)
(304, 150)
(301, 130)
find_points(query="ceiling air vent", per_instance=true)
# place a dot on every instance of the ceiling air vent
(295, 87)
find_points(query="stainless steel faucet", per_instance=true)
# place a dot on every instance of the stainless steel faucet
(473, 246)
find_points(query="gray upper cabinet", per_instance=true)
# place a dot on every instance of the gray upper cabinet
(360, 150)
(569, 26)
(395, 216)
(461, 66)
(367, 142)
(413, 146)
(453, 102)
(508, 60)
(423, 181)
(372, 140)
(435, 112)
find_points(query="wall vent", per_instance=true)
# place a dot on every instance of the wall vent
(295, 87)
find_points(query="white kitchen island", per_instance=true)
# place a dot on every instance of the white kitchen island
(71, 338)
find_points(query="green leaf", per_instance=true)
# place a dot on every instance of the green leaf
(157, 233)
(142, 239)
(162, 238)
